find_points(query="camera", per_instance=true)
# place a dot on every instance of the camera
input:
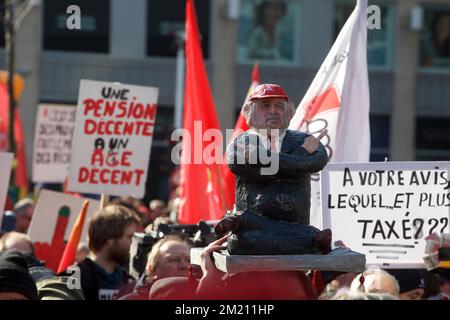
(196, 235)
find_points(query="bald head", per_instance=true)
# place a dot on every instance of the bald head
(377, 281)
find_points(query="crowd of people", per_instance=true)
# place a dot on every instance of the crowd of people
(101, 269)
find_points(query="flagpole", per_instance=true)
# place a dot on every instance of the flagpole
(179, 80)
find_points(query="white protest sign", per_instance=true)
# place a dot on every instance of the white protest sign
(55, 214)
(52, 142)
(385, 210)
(5, 173)
(112, 138)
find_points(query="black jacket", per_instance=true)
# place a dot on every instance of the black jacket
(90, 282)
(282, 196)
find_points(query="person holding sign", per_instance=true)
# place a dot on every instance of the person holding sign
(273, 167)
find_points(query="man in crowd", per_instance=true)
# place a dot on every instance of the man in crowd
(110, 233)
(82, 252)
(444, 286)
(169, 257)
(8, 222)
(24, 213)
(16, 282)
(214, 285)
(346, 294)
(158, 208)
(17, 240)
(376, 281)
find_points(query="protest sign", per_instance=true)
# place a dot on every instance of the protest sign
(385, 210)
(53, 219)
(50, 207)
(5, 172)
(112, 138)
(52, 142)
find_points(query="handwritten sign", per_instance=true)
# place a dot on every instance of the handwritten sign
(5, 172)
(385, 210)
(53, 142)
(112, 138)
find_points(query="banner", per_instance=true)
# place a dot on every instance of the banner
(385, 210)
(112, 138)
(5, 173)
(53, 142)
(338, 100)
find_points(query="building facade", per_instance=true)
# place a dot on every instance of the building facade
(134, 42)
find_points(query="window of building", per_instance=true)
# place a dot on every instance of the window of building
(166, 18)
(163, 124)
(435, 39)
(93, 36)
(2, 29)
(269, 32)
(161, 165)
(379, 137)
(380, 42)
(432, 139)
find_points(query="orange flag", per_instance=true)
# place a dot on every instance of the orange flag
(202, 184)
(70, 251)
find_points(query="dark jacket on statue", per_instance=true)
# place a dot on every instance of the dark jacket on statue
(258, 235)
(282, 196)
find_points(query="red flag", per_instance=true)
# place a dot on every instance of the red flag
(4, 118)
(21, 173)
(241, 125)
(70, 251)
(202, 184)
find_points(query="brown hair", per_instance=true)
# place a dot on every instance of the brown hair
(154, 257)
(109, 223)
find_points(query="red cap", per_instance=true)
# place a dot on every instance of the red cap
(268, 90)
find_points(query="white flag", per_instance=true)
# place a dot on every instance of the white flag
(338, 100)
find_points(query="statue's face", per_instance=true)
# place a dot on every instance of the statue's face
(271, 113)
